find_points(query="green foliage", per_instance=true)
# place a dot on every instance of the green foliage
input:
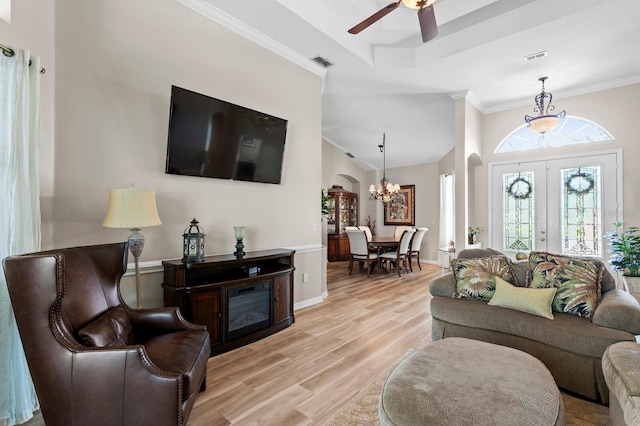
(624, 245)
(326, 209)
(371, 224)
(475, 231)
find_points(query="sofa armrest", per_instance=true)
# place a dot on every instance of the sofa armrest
(619, 310)
(160, 320)
(444, 286)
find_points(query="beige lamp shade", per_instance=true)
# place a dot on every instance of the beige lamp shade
(131, 208)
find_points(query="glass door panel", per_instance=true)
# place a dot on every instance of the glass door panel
(518, 222)
(556, 205)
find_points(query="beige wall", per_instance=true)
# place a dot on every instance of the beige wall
(468, 144)
(115, 63)
(427, 204)
(447, 164)
(338, 169)
(612, 109)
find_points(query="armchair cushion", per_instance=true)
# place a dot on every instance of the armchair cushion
(111, 329)
(181, 352)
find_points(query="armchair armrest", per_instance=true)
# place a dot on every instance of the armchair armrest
(160, 320)
(619, 310)
(444, 286)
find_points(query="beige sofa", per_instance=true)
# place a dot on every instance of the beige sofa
(570, 346)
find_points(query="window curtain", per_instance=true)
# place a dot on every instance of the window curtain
(447, 217)
(19, 218)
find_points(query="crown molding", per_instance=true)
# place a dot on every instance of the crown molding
(606, 85)
(252, 34)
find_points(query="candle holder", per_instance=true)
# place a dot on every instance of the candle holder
(239, 233)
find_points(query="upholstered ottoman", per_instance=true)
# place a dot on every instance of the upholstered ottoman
(458, 381)
(621, 368)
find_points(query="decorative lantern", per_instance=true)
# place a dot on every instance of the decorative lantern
(193, 245)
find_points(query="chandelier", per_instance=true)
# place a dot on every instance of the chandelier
(544, 121)
(385, 190)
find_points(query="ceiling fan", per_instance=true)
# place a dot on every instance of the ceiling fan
(426, 17)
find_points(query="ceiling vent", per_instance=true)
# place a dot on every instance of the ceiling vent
(535, 56)
(350, 155)
(322, 61)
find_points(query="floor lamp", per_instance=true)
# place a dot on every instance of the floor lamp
(133, 209)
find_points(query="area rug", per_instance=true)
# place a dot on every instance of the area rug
(364, 411)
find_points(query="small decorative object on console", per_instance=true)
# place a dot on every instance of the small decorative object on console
(472, 234)
(239, 232)
(193, 245)
(251, 271)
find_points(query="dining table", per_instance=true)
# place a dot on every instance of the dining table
(384, 242)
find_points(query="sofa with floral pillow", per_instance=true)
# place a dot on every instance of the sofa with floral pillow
(564, 310)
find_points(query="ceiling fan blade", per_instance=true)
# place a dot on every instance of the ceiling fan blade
(428, 25)
(375, 17)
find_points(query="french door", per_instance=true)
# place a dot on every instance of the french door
(560, 205)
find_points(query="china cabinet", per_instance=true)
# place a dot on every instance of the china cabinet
(343, 212)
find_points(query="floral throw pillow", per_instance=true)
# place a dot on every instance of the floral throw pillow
(475, 278)
(577, 280)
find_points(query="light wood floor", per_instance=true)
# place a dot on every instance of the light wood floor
(308, 372)
(311, 370)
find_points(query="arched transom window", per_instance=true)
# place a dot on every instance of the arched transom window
(571, 131)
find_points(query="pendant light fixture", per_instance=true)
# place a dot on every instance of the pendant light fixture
(545, 121)
(385, 190)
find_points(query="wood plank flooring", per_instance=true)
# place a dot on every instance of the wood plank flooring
(306, 373)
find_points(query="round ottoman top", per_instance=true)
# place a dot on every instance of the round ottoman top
(458, 381)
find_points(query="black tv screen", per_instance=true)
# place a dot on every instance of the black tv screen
(213, 138)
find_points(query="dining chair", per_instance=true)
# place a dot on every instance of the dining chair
(401, 254)
(359, 248)
(367, 231)
(414, 249)
(398, 230)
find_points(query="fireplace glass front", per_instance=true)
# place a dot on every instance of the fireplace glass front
(249, 309)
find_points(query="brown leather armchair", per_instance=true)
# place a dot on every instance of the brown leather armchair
(93, 359)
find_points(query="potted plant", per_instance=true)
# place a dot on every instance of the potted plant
(472, 235)
(624, 245)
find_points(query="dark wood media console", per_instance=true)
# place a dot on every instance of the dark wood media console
(239, 299)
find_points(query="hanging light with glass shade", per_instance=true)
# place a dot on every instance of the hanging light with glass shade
(545, 121)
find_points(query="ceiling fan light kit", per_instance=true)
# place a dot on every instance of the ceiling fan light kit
(545, 121)
(417, 4)
(426, 17)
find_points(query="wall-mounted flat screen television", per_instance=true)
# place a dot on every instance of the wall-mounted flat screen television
(213, 138)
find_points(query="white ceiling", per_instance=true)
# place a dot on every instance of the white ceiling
(386, 80)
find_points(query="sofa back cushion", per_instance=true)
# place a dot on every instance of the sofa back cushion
(578, 281)
(475, 278)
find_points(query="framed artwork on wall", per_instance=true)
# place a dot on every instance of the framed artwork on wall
(401, 210)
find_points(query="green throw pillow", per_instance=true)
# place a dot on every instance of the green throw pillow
(577, 280)
(475, 278)
(536, 301)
